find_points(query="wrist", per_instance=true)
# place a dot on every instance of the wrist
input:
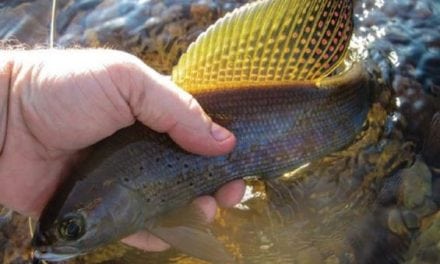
(5, 87)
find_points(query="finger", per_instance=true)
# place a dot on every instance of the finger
(181, 116)
(158, 103)
(208, 205)
(146, 241)
(230, 194)
(5, 75)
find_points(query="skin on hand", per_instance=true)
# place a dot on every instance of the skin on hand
(61, 101)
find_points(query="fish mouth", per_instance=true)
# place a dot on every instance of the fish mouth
(51, 254)
(52, 257)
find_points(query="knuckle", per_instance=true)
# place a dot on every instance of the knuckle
(193, 106)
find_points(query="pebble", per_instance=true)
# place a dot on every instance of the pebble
(5, 216)
(426, 246)
(411, 220)
(408, 31)
(396, 223)
(416, 185)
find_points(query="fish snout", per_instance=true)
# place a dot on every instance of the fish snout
(40, 241)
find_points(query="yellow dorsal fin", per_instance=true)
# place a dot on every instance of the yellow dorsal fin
(268, 42)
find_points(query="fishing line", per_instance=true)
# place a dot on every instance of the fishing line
(31, 230)
(51, 41)
(52, 24)
(51, 38)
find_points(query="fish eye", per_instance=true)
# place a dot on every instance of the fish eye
(71, 227)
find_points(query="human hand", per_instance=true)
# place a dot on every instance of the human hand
(60, 102)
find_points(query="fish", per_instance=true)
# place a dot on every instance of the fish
(275, 73)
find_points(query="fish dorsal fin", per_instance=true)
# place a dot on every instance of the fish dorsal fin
(267, 43)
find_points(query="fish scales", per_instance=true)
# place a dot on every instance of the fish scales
(277, 129)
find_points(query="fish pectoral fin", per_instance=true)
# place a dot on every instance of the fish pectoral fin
(186, 229)
(194, 242)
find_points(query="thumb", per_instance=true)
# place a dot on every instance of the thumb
(161, 105)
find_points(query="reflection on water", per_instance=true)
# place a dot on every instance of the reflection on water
(155, 30)
(26, 21)
(375, 202)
